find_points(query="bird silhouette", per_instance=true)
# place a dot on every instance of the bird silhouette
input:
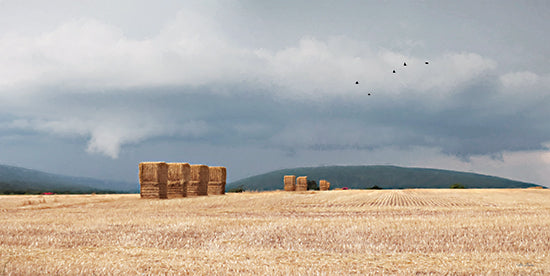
(404, 64)
(357, 82)
(426, 62)
(394, 71)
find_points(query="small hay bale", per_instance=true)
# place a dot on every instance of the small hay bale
(198, 181)
(178, 178)
(290, 182)
(218, 174)
(216, 188)
(301, 184)
(216, 183)
(153, 178)
(324, 185)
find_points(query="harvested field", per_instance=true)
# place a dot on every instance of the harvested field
(435, 232)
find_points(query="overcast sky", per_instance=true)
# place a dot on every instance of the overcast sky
(91, 88)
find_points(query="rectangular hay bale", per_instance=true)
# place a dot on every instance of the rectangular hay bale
(198, 181)
(217, 181)
(217, 174)
(324, 185)
(178, 179)
(153, 178)
(289, 182)
(301, 184)
(216, 188)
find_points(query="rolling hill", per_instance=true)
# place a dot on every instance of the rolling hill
(20, 180)
(363, 177)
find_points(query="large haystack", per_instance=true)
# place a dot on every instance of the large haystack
(178, 179)
(198, 182)
(290, 183)
(324, 185)
(216, 183)
(301, 184)
(152, 179)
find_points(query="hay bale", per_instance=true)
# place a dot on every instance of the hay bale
(301, 184)
(198, 181)
(153, 177)
(178, 178)
(290, 182)
(324, 185)
(216, 188)
(216, 183)
(218, 174)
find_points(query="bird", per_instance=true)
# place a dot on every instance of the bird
(357, 82)
(404, 64)
(426, 62)
(368, 94)
(394, 71)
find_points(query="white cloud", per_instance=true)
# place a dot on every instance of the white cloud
(519, 79)
(86, 54)
(325, 68)
(106, 134)
(92, 57)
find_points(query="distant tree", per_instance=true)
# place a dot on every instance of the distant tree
(312, 185)
(239, 189)
(457, 186)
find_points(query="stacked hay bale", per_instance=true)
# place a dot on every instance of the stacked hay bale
(178, 178)
(290, 182)
(198, 181)
(216, 183)
(152, 179)
(324, 185)
(301, 184)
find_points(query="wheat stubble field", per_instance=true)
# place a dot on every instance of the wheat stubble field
(420, 232)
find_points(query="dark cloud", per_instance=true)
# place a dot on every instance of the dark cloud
(278, 79)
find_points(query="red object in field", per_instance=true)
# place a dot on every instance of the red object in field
(48, 193)
(345, 188)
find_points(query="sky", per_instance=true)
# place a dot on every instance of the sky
(92, 88)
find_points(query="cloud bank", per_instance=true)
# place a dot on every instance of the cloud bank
(458, 102)
(201, 79)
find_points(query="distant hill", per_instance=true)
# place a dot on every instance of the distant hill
(19, 180)
(386, 177)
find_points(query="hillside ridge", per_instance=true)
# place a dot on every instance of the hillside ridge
(15, 179)
(383, 176)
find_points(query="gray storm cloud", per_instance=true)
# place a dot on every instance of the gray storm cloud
(280, 76)
(431, 104)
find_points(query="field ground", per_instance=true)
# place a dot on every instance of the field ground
(420, 232)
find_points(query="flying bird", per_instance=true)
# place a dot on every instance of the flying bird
(404, 64)
(357, 82)
(426, 62)
(394, 71)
